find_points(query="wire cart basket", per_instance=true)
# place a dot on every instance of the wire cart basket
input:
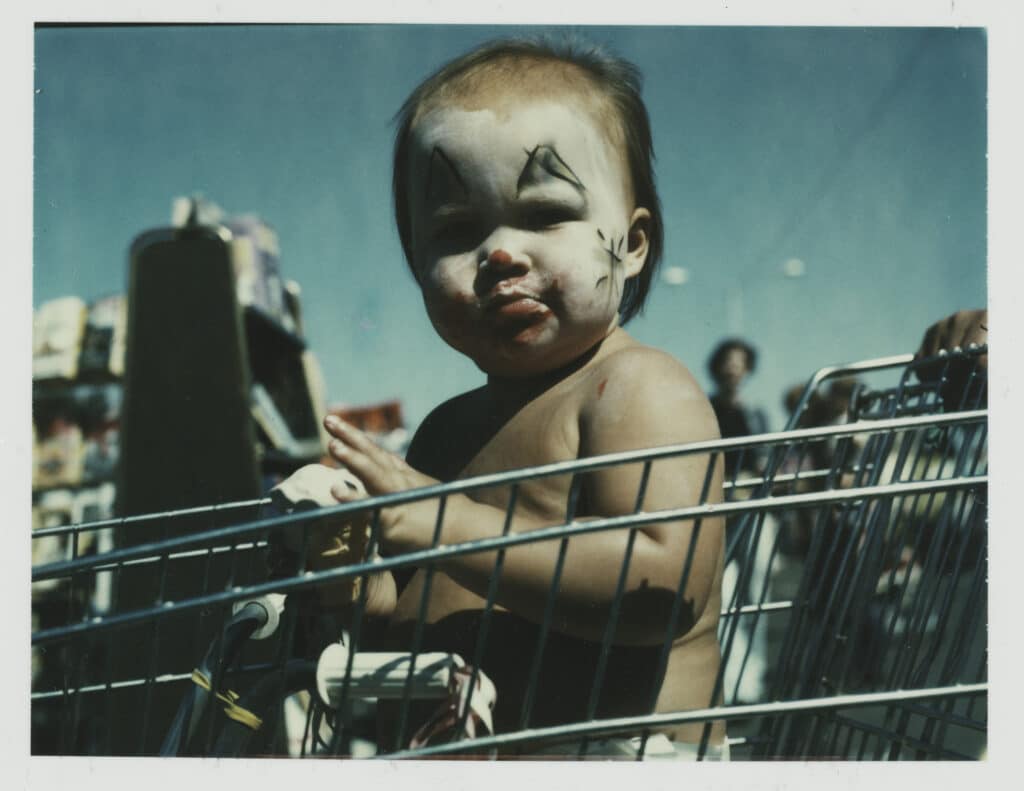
(852, 624)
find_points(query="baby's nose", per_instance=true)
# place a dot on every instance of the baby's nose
(499, 258)
(499, 263)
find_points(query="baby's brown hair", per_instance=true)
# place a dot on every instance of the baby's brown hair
(574, 68)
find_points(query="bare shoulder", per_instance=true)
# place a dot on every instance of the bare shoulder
(640, 396)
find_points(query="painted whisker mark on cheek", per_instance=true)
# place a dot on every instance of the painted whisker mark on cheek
(613, 257)
(614, 288)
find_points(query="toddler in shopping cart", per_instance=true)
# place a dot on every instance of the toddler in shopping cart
(527, 210)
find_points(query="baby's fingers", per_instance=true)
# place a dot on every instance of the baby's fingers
(355, 439)
(369, 466)
(347, 487)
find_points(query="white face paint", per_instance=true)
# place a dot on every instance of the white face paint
(520, 221)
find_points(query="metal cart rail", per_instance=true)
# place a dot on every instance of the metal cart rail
(852, 623)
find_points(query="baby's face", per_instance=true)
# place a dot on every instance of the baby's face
(521, 240)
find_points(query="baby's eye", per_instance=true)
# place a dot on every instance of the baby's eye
(547, 216)
(457, 234)
(457, 228)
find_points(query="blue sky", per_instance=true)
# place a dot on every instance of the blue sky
(860, 151)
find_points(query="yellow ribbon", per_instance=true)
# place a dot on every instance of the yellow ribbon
(231, 708)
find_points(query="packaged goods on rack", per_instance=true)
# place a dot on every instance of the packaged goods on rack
(104, 343)
(255, 255)
(77, 428)
(271, 422)
(59, 455)
(57, 330)
(101, 426)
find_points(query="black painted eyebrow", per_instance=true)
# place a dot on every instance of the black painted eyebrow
(547, 158)
(438, 154)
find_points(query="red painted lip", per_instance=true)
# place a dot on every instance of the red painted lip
(520, 307)
(501, 298)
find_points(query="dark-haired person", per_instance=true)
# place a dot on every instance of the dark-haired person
(731, 362)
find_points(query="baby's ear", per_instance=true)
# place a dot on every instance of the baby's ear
(637, 242)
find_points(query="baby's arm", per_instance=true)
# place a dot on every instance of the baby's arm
(645, 399)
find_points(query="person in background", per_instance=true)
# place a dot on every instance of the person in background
(732, 361)
(751, 538)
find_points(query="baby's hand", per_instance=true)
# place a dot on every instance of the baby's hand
(334, 541)
(383, 473)
(965, 329)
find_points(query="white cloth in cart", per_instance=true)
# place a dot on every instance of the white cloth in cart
(658, 748)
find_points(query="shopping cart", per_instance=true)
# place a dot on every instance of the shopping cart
(852, 623)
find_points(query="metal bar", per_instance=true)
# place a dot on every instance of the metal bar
(109, 707)
(63, 737)
(549, 607)
(193, 553)
(897, 739)
(805, 629)
(857, 584)
(417, 640)
(846, 369)
(949, 716)
(904, 586)
(959, 646)
(485, 616)
(944, 614)
(798, 623)
(202, 614)
(613, 615)
(850, 732)
(677, 601)
(748, 537)
(651, 721)
(864, 744)
(154, 651)
(929, 592)
(163, 678)
(750, 609)
(789, 477)
(864, 579)
(939, 547)
(150, 517)
(354, 636)
(907, 361)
